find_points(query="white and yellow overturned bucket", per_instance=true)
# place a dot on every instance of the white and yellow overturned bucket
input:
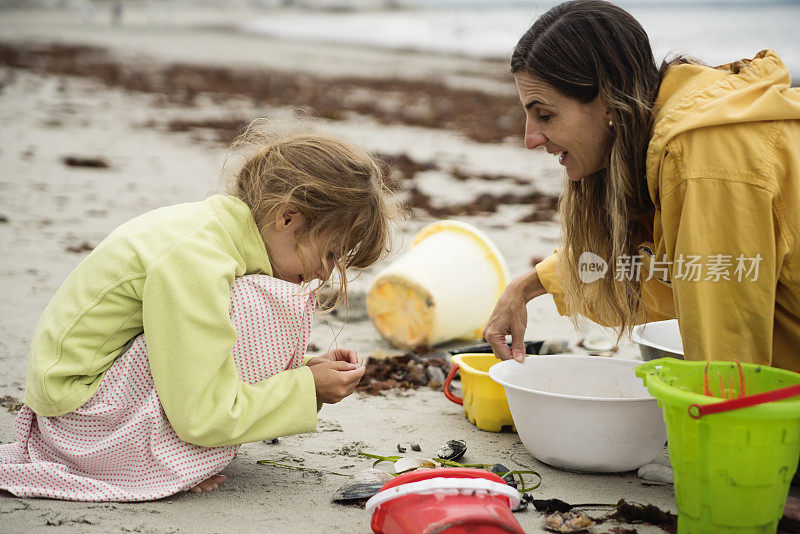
(443, 288)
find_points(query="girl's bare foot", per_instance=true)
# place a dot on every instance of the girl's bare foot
(209, 484)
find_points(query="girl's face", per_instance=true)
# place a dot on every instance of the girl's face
(288, 262)
(578, 133)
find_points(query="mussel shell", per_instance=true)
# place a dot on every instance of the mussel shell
(500, 469)
(362, 485)
(453, 450)
(521, 507)
(357, 492)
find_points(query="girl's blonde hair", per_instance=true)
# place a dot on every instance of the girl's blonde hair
(337, 187)
(590, 49)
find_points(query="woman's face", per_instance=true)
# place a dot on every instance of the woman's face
(578, 133)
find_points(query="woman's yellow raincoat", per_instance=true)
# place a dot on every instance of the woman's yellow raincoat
(723, 169)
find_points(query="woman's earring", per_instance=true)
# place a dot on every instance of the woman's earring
(610, 123)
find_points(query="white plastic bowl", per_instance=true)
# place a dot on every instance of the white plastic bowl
(580, 412)
(658, 340)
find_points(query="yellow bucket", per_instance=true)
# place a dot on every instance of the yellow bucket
(484, 400)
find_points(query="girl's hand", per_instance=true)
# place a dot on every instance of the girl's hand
(339, 355)
(335, 380)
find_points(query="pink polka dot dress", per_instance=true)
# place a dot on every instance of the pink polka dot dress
(119, 446)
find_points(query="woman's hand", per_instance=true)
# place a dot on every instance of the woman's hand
(510, 317)
(335, 380)
(338, 355)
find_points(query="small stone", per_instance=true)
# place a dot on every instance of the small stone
(436, 376)
(400, 448)
(416, 447)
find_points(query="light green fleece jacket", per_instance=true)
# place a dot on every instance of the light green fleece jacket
(168, 273)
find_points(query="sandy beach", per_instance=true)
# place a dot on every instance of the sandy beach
(102, 123)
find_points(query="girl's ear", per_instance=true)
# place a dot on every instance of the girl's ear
(287, 217)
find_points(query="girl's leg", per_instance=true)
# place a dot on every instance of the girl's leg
(119, 446)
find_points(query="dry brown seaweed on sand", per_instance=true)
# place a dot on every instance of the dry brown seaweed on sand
(476, 114)
(12, 404)
(406, 371)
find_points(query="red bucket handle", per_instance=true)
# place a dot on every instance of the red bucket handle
(696, 411)
(447, 393)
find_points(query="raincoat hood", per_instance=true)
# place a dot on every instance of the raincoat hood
(696, 96)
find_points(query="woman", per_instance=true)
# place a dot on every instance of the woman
(684, 183)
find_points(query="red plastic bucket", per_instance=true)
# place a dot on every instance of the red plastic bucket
(449, 500)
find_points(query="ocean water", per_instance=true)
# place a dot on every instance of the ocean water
(715, 31)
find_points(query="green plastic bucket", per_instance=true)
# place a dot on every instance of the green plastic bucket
(732, 470)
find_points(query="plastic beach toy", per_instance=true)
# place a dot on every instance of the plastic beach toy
(451, 500)
(484, 400)
(443, 288)
(732, 467)
(581, 412)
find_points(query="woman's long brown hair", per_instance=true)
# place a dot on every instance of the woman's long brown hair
(589, 49)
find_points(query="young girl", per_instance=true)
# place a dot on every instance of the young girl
(183, 334)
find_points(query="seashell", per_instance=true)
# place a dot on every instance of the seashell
(500, 469)
(453, 450)
(362, 485)
(407, 464)
(521, 507)
(567, 522)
